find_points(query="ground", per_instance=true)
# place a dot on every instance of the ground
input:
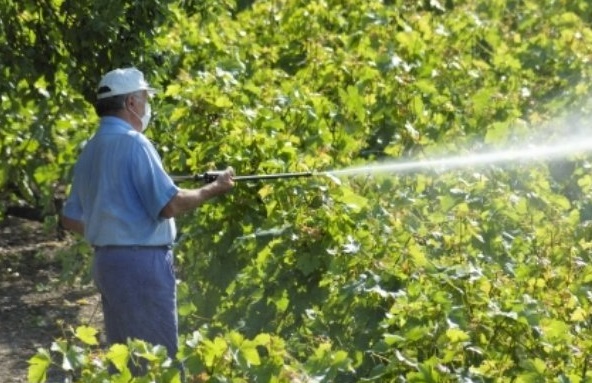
(35, 306)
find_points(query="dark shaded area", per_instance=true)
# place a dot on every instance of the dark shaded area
(35, 307)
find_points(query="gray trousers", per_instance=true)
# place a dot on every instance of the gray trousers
(138, 294)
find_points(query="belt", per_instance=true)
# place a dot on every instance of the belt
(133, 247)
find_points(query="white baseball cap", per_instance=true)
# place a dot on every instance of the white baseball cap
(122, 81)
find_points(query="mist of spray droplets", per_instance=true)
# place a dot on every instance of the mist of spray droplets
(576, 138)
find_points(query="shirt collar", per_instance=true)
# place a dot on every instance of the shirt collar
(113, 123)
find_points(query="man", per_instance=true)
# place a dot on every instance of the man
(124, 203)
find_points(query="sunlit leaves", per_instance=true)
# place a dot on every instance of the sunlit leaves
(466, 275)
(38, 365)
(119, 355)
(88, 335)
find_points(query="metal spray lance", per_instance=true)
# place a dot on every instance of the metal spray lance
(211, 176)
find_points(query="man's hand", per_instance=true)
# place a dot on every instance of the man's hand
(72, 224)
(224, 182)
(189, 199)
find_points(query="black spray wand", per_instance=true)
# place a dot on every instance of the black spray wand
(211, 176)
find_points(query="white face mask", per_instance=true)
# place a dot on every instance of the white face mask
(145, 119)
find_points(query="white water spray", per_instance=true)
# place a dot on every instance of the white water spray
(576, 146)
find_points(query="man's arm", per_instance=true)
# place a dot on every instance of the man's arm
(72, 224)
(189, 199)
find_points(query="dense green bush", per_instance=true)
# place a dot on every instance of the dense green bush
(473, 274)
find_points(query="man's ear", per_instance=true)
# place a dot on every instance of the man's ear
(128, 102)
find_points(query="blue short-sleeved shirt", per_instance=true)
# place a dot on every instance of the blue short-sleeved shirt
(119, 189)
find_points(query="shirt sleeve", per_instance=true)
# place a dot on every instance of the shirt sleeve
(154, 186)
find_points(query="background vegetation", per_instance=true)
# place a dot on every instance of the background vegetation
(480, 274)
